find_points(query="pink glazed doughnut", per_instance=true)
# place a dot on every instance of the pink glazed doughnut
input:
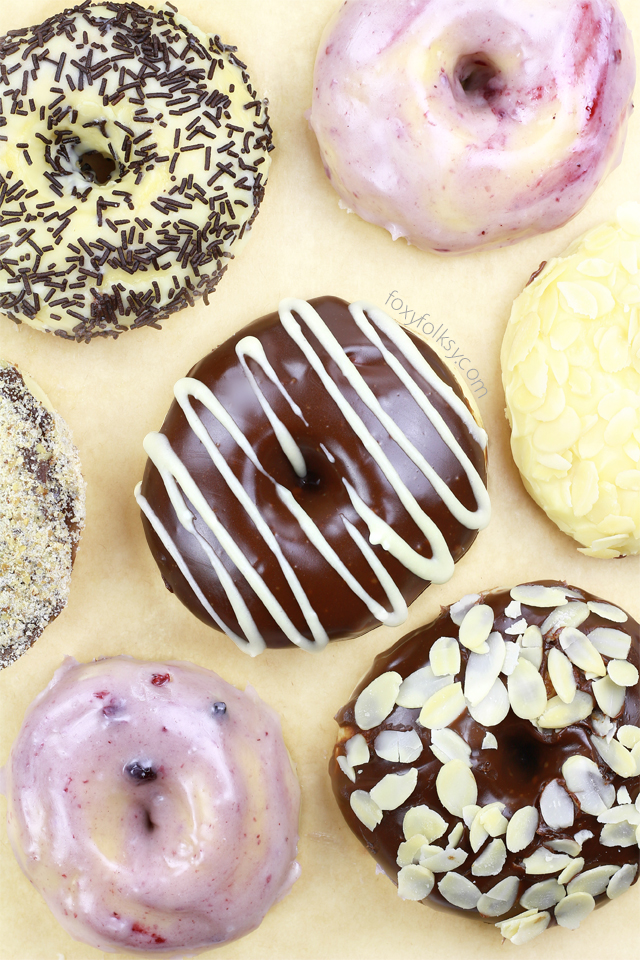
(153, 805)
(461, 124)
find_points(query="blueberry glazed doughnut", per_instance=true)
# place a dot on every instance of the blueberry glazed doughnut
(134, 153)
(153, 805)
(490, 761)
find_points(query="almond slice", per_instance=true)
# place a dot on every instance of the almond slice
(571, 615)
(483, 669)
(491, 860)
(610, 642)
(536, 595)
(476, 626)
(571, 911)
(623, 673)
(527, 693)
(459, 891)
(456, 786)
(559, 714)
(489, 742)
(357, 750)
(443, 860)
(443, 707)
(493, 709)
(365, 809)
(458, 611)
(609, 696)
(409, 851)
(561, 674)
(586, 783)
(621, 880)
(394, 789)
(624, 811)
(522, 829)
(455, 836)
(629, 735)
(424, 821)
(581, 651)
(565, 845)
(448, 745)
(619, 835)
(512, 652)
(415, 882)
(607, 611)
(398, 746)
(524, 927)
(499, 899)
(346, 768)
(444, 657)
(593, 882)
(556, 806)
(512, 610)
(544, 894)
(544, 861)
(377, 700)
(617, 757)
(571, 870)
(416, 689)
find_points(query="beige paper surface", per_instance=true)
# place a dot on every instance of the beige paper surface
(113, 393)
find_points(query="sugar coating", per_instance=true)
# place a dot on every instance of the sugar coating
(42, 511)
(571, 373)
(153, 805)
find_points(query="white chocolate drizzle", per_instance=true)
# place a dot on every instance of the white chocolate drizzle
(180, 485)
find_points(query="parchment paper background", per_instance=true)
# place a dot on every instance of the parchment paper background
(113, 393)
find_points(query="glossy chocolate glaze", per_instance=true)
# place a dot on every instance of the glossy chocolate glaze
(526, 759)
(321, 492)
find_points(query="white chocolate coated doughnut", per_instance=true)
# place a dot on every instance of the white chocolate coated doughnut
(153, 805)
(473, 123)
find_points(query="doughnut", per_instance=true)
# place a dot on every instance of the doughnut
(42, 511)
(313, 475)
(471, 124)
(571, 374)
(153, 805)
(490, 760)
(133, 157)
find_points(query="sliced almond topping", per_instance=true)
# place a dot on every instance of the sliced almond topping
(581, 837)
(603, 725)
(512, 652)
(377, 700)
(469, 813)
(579, 299)
(441, 861)
(571, 870)
(499, 899)
(493, 709)
(629, 735)
(535, 595)
(443, 707)
(423, 821)
(357, 751)
(607, 611)
(492, 819)
(455, 836)
(415, 882)
(419, 686)
(609, 696)
(586, 783)
(571, 615)
(544, 861)
(559, 714)
(459, 891)
(623, 673)
(621, 880)
(483, 669)
(448, 745)
(456, 786)
(346, 768)
(489, 742)
(444, 657)
(571, 911)
(541, 895)
(565, 845)
(512, 610)
(524, 927)
(458, 611)
(491, 860)
(409, 851)
(581, 651)
(518, 628)
(527, 694)
(594, 882)
(531, 645)
(624, 811)
(561, 674)
(365, 809)
(615, 756)
(610, 642)
(394, 789)
(556, 806)
(619, 835)
(476, 626)
(398, 746)
(522, 829)
(477, 832)
(623, 796)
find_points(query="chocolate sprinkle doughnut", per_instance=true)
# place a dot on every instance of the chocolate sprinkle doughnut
(133, 157)
(490, 761)
(42, 508)
(313, 475)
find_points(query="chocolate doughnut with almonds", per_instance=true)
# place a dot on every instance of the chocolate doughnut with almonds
(314, 473)
(42, 510)
(571, 374)
(490, 761)
(134, 153)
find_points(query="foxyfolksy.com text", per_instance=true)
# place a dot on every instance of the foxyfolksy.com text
(441, 336)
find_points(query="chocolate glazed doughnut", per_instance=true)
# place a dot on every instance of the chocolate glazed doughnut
(314, 474)
(490, 761)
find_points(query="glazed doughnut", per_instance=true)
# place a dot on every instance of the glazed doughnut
(313, 474)
(490, 761)
(42, 511)
(571, 374)
(134, 153)
(153, 805)
(475, 123)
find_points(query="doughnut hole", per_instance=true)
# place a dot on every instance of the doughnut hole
(477, 80)
(96, 167)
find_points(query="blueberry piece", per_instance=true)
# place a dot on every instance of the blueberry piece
(219, 708)
(140, 771)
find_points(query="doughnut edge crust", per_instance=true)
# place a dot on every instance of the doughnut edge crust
(324, 515)
(42, 512)
(172, 826)
(428, 128)
(186, 141)
(441, 768)
(571, 373)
